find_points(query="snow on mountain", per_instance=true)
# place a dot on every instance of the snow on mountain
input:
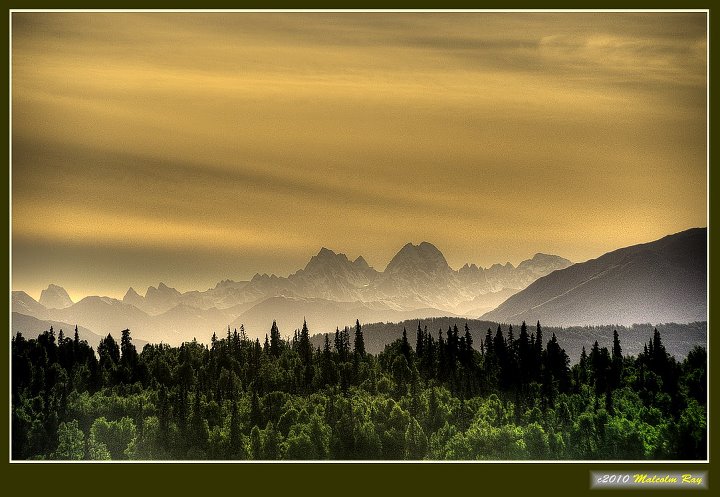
(417, 282)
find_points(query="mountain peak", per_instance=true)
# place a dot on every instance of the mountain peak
(326, 252)
(325, 258)
(225, 283)
(132, 297)
(425, 257)
(547, 257)
(361, 263)
(161, 289)
(131, 293)
(544, 262)
(427, 246)
(55, 297)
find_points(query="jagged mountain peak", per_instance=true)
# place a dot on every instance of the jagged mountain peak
(326, 252)
(133, 298)
(361, 263)
(131, 293)
(227, 283)
(161, 289)
(425, 257)
(55, 297)
(327, 259)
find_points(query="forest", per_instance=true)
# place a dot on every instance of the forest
(435, 396)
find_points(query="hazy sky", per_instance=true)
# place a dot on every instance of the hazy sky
(187, 148)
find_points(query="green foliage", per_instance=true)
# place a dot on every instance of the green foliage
(71, 442)
(510, 399)
(115, 436)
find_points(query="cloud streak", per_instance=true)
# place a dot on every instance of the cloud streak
(565, 133)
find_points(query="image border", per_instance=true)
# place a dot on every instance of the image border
(444, 467)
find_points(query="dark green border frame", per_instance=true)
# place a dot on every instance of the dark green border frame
(468, 479)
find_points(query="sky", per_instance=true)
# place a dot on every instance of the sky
(189, 148)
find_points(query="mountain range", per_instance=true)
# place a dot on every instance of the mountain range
(331, 291)
(664, 281)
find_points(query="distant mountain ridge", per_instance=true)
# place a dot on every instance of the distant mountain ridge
(658, 282)
(31, 327)
(331, 289)
(418, 277)
(663, 281)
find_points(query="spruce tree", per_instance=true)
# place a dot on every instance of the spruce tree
(275, 340)
(405, 346)
(419, 342)
(359, 340)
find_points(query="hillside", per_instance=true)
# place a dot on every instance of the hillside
(662, 281)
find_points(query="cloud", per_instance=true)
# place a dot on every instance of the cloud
(239, 132)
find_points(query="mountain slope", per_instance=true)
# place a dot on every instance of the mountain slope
(321, 315)
(103, 315)
(24, 304)
(31, 327)
(660, 282)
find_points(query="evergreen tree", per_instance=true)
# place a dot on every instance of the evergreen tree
(489, 350)
(305, 349)
(617, 362)
(198, 427)
(539, 346)
(583, 365)
(405, 346)
(235, 447)
(442, 365)
(419, 342)
(194, 401)
(342, 343)
(359, 340)
(468, 356)
(524, 355)
(129, 357)
(327, 362)
(275, 340)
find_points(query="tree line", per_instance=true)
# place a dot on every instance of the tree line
(442, 397)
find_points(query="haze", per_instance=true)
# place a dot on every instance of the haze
(189, 148)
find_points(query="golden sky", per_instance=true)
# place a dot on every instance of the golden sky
(192, 147)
